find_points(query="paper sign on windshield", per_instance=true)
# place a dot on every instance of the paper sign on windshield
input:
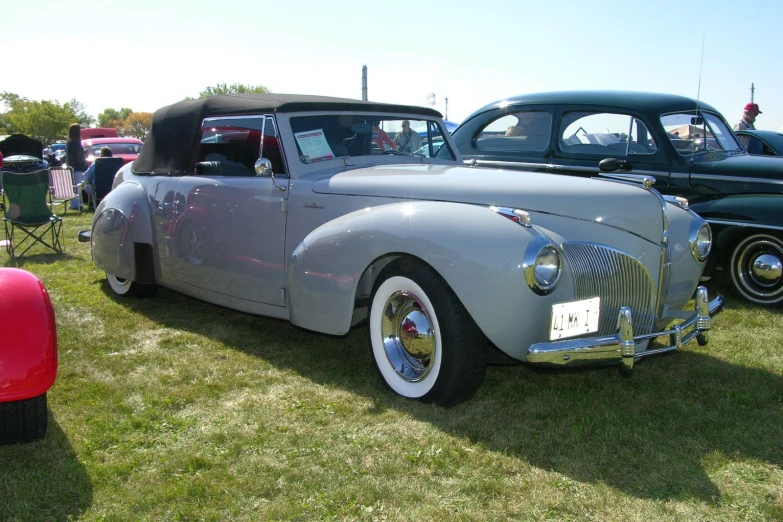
(313, 145)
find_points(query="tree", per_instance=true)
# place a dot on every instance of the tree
(137, 124)
(222, 88)
(108, 116)
(84, 119)
(47, 121)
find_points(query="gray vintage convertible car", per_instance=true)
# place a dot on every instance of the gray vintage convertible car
(294, 207)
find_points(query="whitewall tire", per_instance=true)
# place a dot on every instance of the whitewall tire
(424, 343)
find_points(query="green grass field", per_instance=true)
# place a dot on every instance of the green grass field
(173, 409)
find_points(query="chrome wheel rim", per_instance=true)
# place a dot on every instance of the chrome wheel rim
(408, 336)
(758, 266)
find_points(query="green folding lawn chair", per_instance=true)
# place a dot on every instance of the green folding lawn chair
(28, 217)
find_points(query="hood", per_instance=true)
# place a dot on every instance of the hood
(21, 145)
(620, 205)
(741, 165)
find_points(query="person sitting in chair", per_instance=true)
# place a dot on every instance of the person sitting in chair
(89, 174)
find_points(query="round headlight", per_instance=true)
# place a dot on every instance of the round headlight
(701, 242)
(542, 266)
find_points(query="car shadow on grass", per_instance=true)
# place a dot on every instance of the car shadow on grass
(661, 434)
(43, 480)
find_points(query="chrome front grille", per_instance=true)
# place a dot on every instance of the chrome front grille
(618, 279)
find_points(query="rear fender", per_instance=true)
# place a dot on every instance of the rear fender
(122, 231)
(476, 251)
(28, 343)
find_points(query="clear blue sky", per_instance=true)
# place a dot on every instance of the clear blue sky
(145, 54)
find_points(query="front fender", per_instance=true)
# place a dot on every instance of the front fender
(761, 210)
(28, 341)
(477, 252)
(122, 220)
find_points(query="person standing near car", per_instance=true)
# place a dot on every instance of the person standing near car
(76, 158)
(747, 122)
(380, 138)
(407, 140)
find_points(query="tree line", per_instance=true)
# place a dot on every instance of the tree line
(48, 120)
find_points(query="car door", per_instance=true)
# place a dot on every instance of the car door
(227, 224)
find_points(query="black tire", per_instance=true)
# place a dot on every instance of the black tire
(23, 421)
(126, 287)
(753, 269)
(446, 364)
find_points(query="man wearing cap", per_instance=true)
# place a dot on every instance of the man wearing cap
(746, 123)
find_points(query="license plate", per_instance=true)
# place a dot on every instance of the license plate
(574, 318)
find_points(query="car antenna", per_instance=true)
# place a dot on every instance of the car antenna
(701, 64)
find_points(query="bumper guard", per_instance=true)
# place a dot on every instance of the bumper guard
(621, 347)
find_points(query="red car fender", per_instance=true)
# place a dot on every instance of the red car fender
(28, 336)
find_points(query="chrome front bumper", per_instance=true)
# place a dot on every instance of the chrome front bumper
(621, 347)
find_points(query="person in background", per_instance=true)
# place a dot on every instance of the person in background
(89, 174)
(76, 158)
(747, 122)
(380, 138)
(407, 140)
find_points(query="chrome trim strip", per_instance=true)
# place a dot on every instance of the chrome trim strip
(520, 217)
(618, 347)
(645, 181)
(736, 178)
(473, 162)
(677, 200)
(743, 224)
(498, 163)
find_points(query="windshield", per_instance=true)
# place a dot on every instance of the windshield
(692, 132)
(325, 137)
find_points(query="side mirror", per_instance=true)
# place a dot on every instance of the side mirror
(263, 167)
(613, 165)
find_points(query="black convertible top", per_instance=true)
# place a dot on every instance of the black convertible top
(19, 144)
(175, 128)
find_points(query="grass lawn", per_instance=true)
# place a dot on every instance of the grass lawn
(172, 409)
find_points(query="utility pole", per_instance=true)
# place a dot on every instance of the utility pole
(364, 82)
(752, 92)
(446, 110)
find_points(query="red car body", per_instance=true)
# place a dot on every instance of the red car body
(98, 132)
(126, 148)
(28, 355)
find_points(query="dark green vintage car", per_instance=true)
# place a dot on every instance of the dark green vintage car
(683, 146)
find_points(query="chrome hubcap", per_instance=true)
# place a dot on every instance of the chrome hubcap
(408, 336)
(766, 270)
(759, 267)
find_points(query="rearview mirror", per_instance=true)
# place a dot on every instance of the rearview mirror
(697, 120)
